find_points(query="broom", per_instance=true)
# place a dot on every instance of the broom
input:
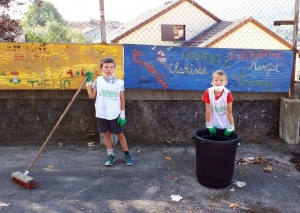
(26, 181)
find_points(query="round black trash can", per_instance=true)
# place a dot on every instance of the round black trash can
(215, 156)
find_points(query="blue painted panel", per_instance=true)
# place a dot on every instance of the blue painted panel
(190, 68)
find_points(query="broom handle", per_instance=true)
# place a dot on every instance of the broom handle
(58, 122)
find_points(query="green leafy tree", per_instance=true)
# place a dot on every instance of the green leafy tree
(45, 24)
(39, 16)
(10, 27)
(54, 32)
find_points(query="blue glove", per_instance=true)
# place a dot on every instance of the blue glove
(229, 130)
(212, 129)
(89, 76)
(121, 118)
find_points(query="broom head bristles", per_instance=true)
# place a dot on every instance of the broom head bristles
(26, 182)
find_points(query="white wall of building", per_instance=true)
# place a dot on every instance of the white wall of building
(194, 22)
(257, 39)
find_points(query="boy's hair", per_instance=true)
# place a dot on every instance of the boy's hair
(219, 72)
(107, 60)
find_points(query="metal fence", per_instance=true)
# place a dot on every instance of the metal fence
(159, 22)
(48, 22)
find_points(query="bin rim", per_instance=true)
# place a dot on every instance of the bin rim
(204, 140)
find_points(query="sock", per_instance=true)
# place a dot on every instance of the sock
(126, 152)
(110, 152)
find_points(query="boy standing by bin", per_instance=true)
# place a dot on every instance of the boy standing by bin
(218, 105)
(110, 107)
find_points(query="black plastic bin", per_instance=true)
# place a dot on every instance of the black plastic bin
(215, 156)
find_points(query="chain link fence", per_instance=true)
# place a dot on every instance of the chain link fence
(201, 23)
(46, 22)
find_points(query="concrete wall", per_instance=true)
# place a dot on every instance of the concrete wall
(152, 115)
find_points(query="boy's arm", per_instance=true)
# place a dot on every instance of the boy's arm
(89, 79)
(212, 130)
(91, 92)
(229, 130)
(122, 98)
(229, 113)
(207, 112)
(121, 118)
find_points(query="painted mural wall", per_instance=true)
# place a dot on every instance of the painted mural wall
(27, 66)
(191, 68)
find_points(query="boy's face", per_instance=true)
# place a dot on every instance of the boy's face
(108, 69)
(219, 80)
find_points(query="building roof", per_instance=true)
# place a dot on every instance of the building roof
(84, 24)
(222, 29)
(93, 23)
(151, 15)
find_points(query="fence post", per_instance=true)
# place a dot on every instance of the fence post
(102, 23)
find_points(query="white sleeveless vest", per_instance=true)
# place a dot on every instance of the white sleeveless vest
(218, 109)
(108, 103)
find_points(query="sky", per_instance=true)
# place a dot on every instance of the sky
(115, 10)
(84, 10)
(126, 10)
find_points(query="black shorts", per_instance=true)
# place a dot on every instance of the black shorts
(109, 125)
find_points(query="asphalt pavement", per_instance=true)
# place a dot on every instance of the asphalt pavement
(71, 177)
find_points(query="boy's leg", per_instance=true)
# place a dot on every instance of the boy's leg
(104, 127)
(108, 141)
(116, 129)
(124, 145)
(123, 141)
(110, 153)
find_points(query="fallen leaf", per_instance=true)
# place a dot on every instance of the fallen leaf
(257, 160)
(140, 150)
(174, 178)
(247, 160)
(168, 158)
(268, 168)
(60, 144)
(50, 167)
(169, 142)
(233, 205)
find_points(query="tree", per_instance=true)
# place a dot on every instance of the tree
(40, 15)
(10, 27)
(54, 32)
(46, 24)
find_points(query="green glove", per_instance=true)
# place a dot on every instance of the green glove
(229, 130)
(121, 118)
(212, 129)
(89, 76)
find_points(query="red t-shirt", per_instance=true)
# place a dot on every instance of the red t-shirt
(205, 97)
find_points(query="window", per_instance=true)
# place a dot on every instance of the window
(172, 32)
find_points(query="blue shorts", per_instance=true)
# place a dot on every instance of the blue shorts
(109, 125)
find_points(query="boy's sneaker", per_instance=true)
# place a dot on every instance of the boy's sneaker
(128, 160)
(110, 160)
